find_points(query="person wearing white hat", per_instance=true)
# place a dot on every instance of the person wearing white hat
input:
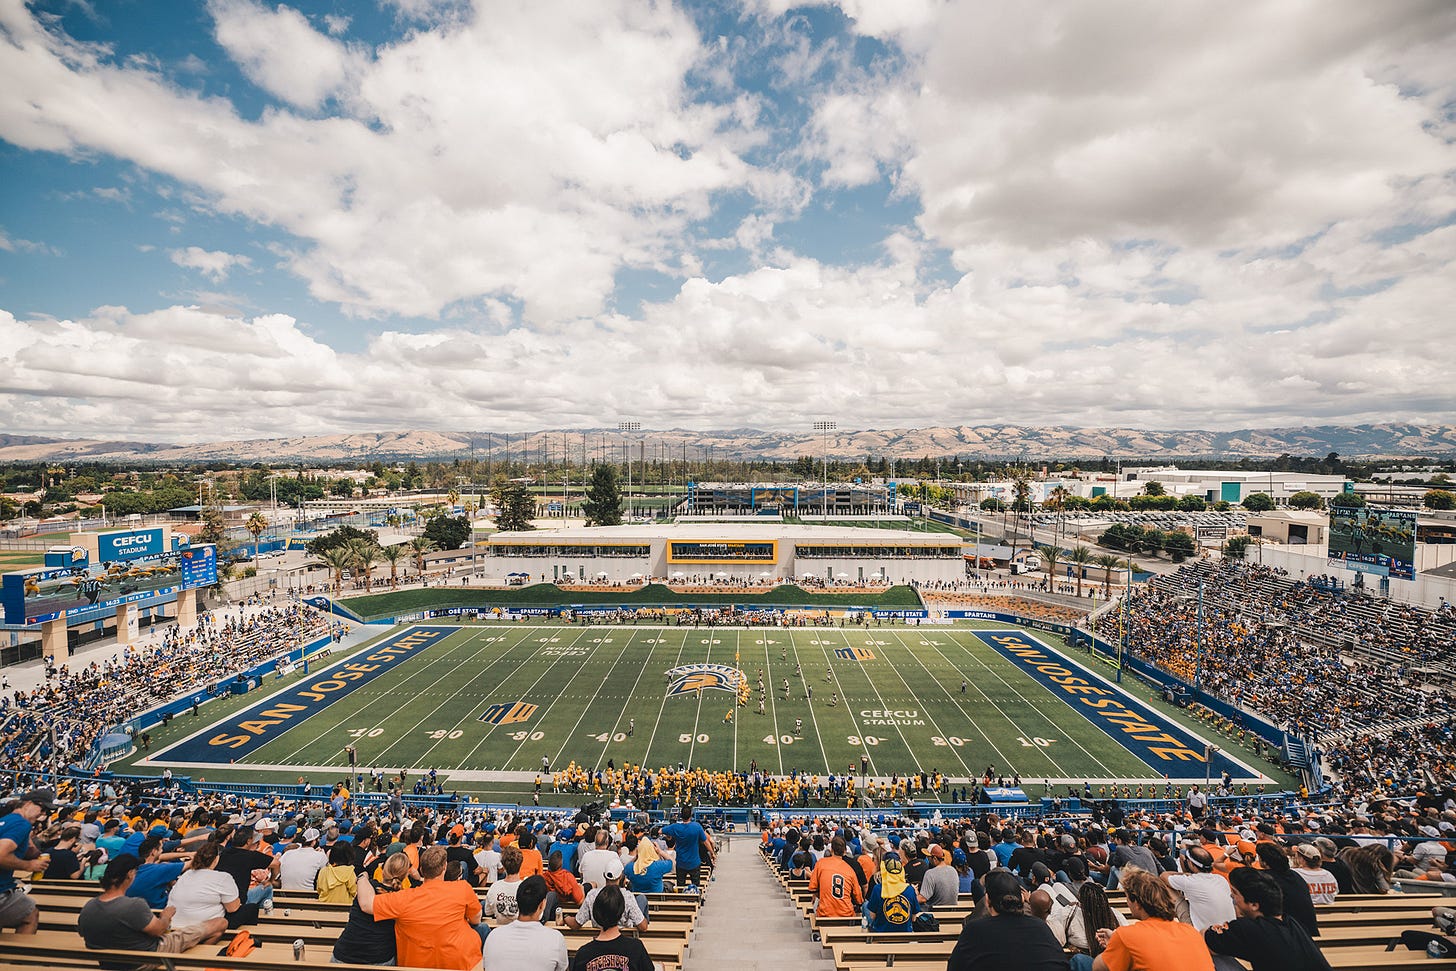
(300, 865)
(1323, 887)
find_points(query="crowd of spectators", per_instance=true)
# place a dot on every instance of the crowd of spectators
(71, 708)
(1258, 649)
(175, 874)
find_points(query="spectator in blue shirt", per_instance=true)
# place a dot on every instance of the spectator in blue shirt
(18, 854)
(1006, 847)
(645, 872)
(891, 904)
(686, 836)
(154, 878)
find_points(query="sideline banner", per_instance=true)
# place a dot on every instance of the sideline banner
(1166, 747)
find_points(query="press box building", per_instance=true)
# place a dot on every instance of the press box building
(747, 553)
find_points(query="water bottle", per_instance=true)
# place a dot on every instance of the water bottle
(267, 906)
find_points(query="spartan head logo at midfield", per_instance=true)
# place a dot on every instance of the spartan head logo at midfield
(693, 678)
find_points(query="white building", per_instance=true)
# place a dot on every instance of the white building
(747, 552)
(1214, 485)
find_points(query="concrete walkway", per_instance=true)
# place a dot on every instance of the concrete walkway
(747, 922)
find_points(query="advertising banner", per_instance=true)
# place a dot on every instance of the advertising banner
(130, 544)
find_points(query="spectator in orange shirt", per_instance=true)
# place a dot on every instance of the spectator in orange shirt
(531, 862)
(1157, 942)
(564, 884)
(435, 923)
(835, 883)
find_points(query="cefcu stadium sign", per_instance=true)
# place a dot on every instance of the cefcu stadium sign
(252, 728)
(1142, 731)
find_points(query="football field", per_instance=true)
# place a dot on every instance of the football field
(503, 698)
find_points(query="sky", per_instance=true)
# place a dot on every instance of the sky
(230, 219)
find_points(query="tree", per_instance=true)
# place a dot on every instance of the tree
(214, 527)
(1304, 499)
(392, 555)
(518, 508)
(1192, 503)
(1180, 545)
(1439, 499)
(419, 546)
(1050, 557)
(992, 504)
(1154, 488)
(1258, 502)
(1080, 556)
(364, 554)
(1108, 562)
(337, 559)
(256, 525)
(603, 503)
(447, 532)
(1236, 546)
(340, 536)
(1348, 500)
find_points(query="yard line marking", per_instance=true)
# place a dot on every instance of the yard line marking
(817, 734)
(1028, 702)
(693, 743)
(369, 694)
(470, 709)
(449, 696)
(778, 741)
(921, 704)
(662, 707)
(909, 749)
(584, 708)
(622, 708)
(489, 732)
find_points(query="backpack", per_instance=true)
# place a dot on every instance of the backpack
(925, 921)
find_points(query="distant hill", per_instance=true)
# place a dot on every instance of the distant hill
(1386, 440)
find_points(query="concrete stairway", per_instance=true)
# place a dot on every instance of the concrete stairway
(747, 922)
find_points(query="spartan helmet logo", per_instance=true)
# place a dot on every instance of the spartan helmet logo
(693, 678)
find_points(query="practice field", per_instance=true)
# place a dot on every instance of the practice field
(493, 698)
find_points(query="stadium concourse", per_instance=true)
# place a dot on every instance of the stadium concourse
(129, 865)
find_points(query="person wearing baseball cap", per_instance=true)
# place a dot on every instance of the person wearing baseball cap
(632, 913)
(18, 854)
(299, 867)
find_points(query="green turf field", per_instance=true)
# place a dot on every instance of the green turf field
(901, 704)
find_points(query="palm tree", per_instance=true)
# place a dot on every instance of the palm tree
(392, 555)
(1108, 562)
(1050, 555)
(338, 559)
(420, 546)
(256, 525)
(365, 555)
(1081, 556)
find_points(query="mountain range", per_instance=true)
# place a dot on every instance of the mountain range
(1385, 440)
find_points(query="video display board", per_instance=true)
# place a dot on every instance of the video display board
(724, 551)
(1374, 540)
(80, 593)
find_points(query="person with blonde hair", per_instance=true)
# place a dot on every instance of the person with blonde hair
(1157, 941)
(435, 922)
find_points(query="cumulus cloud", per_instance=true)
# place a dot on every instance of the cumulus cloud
(872, 344)
(213, 264)
(527, 154)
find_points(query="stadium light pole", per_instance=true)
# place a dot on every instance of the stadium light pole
(1198, 658)
(626, 428)
(825, 427)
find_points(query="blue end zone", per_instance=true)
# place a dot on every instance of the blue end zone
(248, 730)
(1166, 747)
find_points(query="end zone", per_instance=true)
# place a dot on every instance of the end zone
(1164, 746)
(246, 731)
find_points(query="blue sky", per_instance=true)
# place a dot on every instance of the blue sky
(232, 218)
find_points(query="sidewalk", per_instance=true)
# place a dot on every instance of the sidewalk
(748, 923)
